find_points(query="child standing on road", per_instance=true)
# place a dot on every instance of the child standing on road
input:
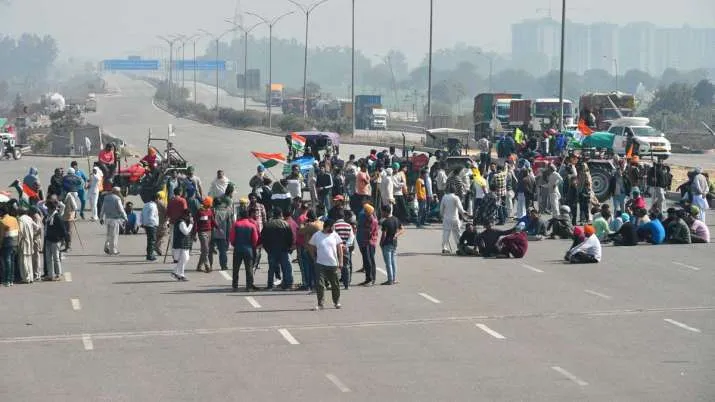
(182, 245)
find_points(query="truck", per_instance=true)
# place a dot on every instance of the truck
(545, 113)
(365, 117)
(603, 110)
(491, 110)
(90, 104)
(520, 113)
(274, 95)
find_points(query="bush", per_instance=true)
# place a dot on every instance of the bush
(292, 123)
(235, 118)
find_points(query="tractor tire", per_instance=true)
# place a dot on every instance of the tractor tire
(17, 154)
(600, 179)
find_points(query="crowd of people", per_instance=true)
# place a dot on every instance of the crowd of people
(361, 203)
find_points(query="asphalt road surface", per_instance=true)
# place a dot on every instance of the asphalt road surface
(206, 94)
(640, 326)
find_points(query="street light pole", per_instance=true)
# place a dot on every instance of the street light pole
(218, 40)
(245, 53)
(352, 71)
(615, 62)
(270, 24)
(491, 68)
(307, 10)
(170, 42)
(429, 64)
(561, 69)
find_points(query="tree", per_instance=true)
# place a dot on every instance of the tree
(313, 89)
(676, 98)
(4, 90)
(704, 92)
(598, 80)
(398, 60)
(632, 78)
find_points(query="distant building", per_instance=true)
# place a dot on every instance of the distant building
(577, 47)
(536, 45)
(637, 47)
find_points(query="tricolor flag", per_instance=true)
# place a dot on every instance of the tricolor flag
(584, 128)
(269, 160)
(297, 141)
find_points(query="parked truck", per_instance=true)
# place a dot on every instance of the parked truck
(90, 104)
(274, 95)
(603, 110)
(369, 113)
(491, 112)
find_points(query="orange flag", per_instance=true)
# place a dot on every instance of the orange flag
(583, 128)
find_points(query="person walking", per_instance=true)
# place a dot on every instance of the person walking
(347, 235)
(150, 221)
(218, 186)
(326, 249)
(277, 239)
(205, 224)
(94, 184)
(244, 238)
(69, 215)
(699, 189)
(391, 230)
(162, 229)
(113, 215)
(181, 246)
(451, 210)
(423, 193)
(81, 191)
(367, 241)
(311, 226)
(55, 234)
(224, 217)
(38, 240)
(9, 236)
(26, 241)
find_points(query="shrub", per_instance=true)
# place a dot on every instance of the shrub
(292, 123)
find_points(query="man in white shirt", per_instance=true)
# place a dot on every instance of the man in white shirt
(451, 210)
(150, 221)
(589, 251)
(326, 248)
(440, 180)
(218, 186)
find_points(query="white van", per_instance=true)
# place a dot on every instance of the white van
(650, 141)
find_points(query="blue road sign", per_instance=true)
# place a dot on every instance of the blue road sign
(201, 65)
(136, 65)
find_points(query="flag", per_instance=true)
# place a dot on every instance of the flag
(297, 141)
(29, 191)
(583, 128)
(269, 160)
(518, 136)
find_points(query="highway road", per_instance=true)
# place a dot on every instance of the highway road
(206, 94)
(640, 326)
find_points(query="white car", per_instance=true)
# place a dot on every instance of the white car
(650, 140)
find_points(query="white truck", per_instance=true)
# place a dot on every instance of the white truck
(90, 104)
(544, 109)
(636, 130)
(378, 119)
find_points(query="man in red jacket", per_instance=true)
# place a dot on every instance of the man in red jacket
(244, 239)
(176, 207)
(515, 244)
(205, 224)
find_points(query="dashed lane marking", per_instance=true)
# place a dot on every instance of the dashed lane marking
(570, 376)
(681, 325)
(288, 336)
(598, 294)
(76, 304)
(336, 381)
(430, 298)
(87, 342)
(382, 271)
(226, 275)
(252, 301)
(686, 266)
(490, 331)
(68, 276)
(530, 268)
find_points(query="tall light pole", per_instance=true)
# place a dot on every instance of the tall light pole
(352, 71)
(183, 39)
(270, 24)
(429, 64)
(491, 68)
(307, 10)
(246, 32)
(169, 42)
(561, 69)
(615, 65)
(217, 38)
(196, 38)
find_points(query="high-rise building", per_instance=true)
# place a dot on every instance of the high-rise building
(577, 47)
(536, 45)
(604, 42)
(637, 47)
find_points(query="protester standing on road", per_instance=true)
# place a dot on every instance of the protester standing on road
(451, 210)
(423, 193)
(553, 183)
(244, 239)
(9, 236)
(94, 184)
(367, 231)
(311, 226)
(113, 215)
(55, 234)
(38, 240)
(205, 223)
(176, 207)
(80, 192)
(224, 217)
(256, 181)
(193, 184)
(69, 214)
(150, 221)
(181, 246)
(326, 248)
(162, 229)
(698, 190)
(391, 230)
(26, 240)
(277, 240)
(218, 186)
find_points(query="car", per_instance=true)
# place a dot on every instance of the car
(650, 140)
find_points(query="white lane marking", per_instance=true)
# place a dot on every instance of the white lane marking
(68, 276)
(226, 275)
(288, 337)
(252, 302)
(490, 331)
(681, 325)
(530, 268)
(87, 342)
(597, 294)
(569, 376)
(382, 271)
(336, 381)
(76, 304)
(430, 298)
(686, 266)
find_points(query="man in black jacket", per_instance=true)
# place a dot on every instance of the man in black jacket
(55, 234)
(277, 239)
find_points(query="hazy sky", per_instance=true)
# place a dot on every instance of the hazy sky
(105, 29)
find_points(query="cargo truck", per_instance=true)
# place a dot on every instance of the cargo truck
(491, 112)
(545, 113)
(369, 113)
(603, 111)
(274, 95)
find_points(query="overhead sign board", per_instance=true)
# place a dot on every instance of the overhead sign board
(201, 65)
(135, 65)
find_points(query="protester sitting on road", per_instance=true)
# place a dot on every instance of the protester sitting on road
(600, 223)
(535, 226)
(487, 240)
(131, 225)
(560, 226)
(467, 245)
(514, 244)
(652, 231)
(587, 252)
(678, 229)
(699, 232)
(626, 235)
